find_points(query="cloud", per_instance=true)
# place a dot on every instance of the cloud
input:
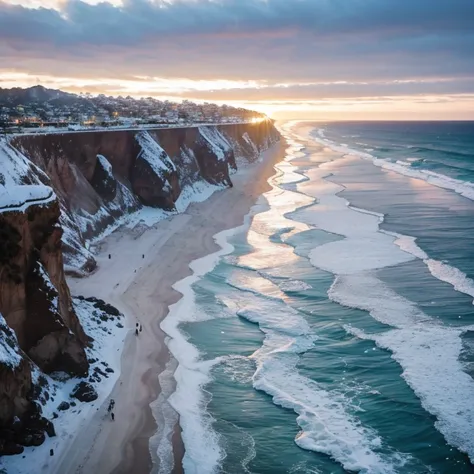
(276, 41)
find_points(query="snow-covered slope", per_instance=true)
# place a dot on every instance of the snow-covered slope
(100, 178)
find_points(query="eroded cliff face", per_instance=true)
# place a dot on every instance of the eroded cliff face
(39, 329)
(100, 176)
(34, 297)
(21, 421)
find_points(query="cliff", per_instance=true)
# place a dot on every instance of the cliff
(57, 192)
(104, 175)
(39, 330)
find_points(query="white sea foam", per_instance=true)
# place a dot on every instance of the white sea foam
(324, 417)
(365, 291)
(294, 285)
(363, 248)
(427, 351)
(440, 270)
(277, 317)
(325, 420)
(465, 188)
(166, 417)
(326, 424)
(369, 252)
(203, 452)
(429, 355)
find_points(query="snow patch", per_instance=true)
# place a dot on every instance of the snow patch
(20, 197)
(154, 155)
(105, 164)
(196, 192)
(217, 142)
(9, 350)
(106, 351)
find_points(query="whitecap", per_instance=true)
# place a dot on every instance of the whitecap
(440, 270)
(429, 355)
(294, 285)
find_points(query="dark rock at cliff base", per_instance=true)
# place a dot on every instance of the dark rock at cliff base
(63, 406)
(32, 438)
(36, 303)
(39, 423)
(49, 428)
(10, 448)
(103, 180)
(102, 305)
(84, 392)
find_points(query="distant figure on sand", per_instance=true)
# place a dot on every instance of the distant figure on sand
(141, 328)
(143, 255)
(136, 332)
(110, 256)
(113, 416)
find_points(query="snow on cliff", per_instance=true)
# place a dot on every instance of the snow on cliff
(248, 140)
(15, 168)
(105, 324)
(19, 197)
(20, 185)
(217, 142)
(124, 197)
(105, 164)
(154, 155)
(9, 350)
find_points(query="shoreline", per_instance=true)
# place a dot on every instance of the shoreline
(142, 289)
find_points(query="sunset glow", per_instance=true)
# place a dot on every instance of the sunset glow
(287, 63)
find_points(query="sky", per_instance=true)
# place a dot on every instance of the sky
(318, 59)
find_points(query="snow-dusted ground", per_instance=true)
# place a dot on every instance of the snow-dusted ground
(106, 352)
(9, 350)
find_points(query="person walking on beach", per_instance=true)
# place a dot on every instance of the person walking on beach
(136, 331)
(141, 327)
(113, 416)
(111, 405)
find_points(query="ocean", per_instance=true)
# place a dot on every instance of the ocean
(334, 331)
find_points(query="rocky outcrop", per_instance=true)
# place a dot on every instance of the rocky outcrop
(38, 327)
(154, 176)
(34, 297)
(100, 176)
(250, 140)
(84, 392)
(21, 421)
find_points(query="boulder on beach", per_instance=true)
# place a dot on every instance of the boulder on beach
(84, 392)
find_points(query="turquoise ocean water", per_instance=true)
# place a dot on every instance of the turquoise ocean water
(335, 331)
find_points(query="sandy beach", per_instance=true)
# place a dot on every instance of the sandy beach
(142, 289)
